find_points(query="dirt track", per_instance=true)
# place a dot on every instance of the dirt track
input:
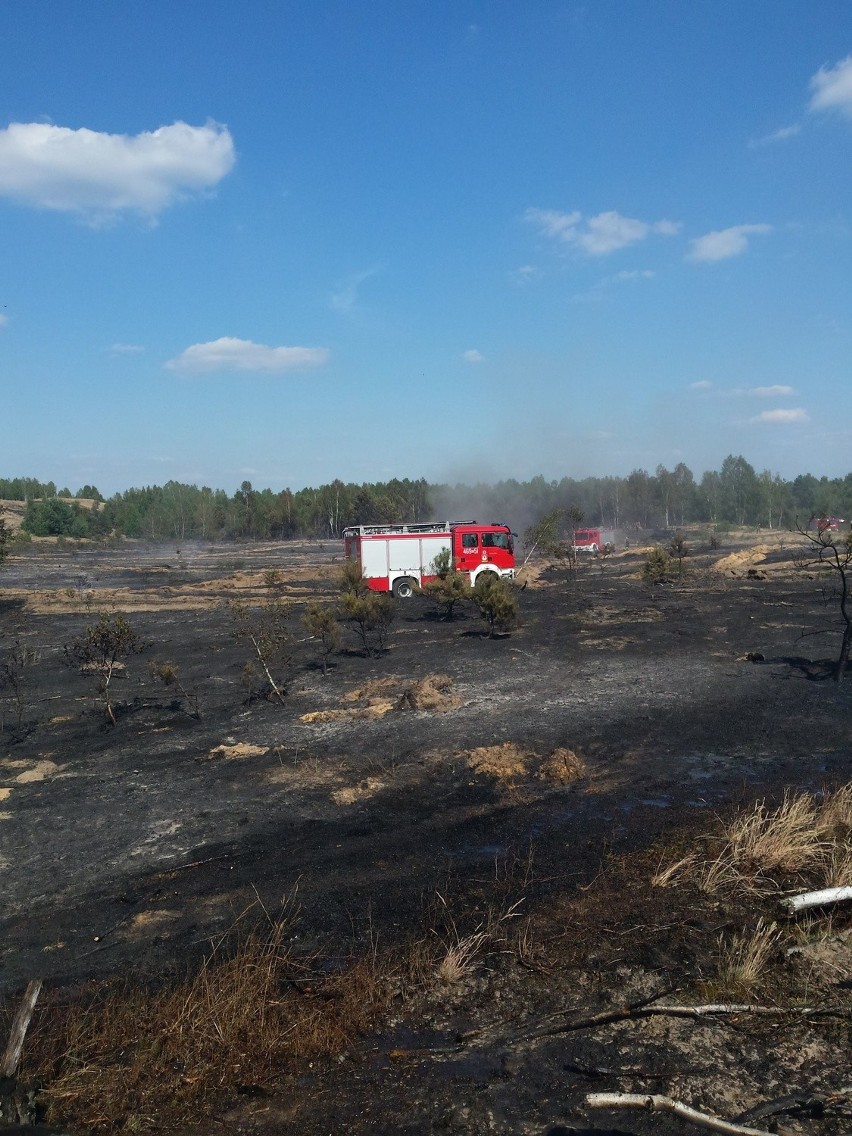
(129, 847)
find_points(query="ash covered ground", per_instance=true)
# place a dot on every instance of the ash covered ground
(543, 775)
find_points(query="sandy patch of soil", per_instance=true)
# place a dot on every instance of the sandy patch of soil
(41, 771)
(151, 921)
(364, 790)
(238, 750)
(737, 563)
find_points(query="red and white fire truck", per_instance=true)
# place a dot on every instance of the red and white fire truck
(592, 540)
(396, 558)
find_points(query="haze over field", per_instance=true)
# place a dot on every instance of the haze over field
(462, 241)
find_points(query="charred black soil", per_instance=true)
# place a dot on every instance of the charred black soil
(509, 797)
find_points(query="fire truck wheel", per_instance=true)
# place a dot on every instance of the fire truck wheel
(485, 578)
(403, 588)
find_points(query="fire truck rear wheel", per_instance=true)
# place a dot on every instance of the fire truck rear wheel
(403, 589)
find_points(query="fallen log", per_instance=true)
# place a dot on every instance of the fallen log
(823, 898)
(652, 1103)
(20, 1025)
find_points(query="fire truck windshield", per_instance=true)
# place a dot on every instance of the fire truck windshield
(497, 540)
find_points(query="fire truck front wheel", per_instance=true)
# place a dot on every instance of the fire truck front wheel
(484, 579)
(403, 588)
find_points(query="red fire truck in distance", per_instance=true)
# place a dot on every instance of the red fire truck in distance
(396, 558)
(591, 540)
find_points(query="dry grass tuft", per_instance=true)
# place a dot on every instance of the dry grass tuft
(805, 836)
(665, 876)
(838, 868)
(836, 811)
(461, 951)
(506, 762)
(429, 693)
(745, 961)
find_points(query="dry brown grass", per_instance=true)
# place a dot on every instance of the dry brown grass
(506, 763)
(745, 960)
(805, 836)
(460, 952)
(121, 1056)
(433, 692)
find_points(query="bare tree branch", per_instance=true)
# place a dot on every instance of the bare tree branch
(652, 1103)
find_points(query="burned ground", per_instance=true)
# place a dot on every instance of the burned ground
(524, 789)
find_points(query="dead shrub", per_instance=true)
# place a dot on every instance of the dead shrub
(429, 693)
(562, 767)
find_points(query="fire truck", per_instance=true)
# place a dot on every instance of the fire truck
(591, 540)
(398, 558)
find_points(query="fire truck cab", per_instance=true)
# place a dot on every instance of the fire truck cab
(398, 558)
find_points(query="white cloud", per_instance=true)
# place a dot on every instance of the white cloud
(832, 87)
(771, 392)
(701, 385)
(798, 414)
(636, 274)
(473, 356)
(599, 235)
(526, 272)
(228, 354)
(780, 135)
(3, 320)
(724, 243)
(100, 175)
(126, 349)
(345, 298)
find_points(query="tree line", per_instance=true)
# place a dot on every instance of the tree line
(736, 494)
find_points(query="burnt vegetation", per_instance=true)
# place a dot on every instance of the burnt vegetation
(441, 864)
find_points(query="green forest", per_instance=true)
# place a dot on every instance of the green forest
(736, 494)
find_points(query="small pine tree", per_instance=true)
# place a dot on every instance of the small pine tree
(320, 622)
(351, 579)
(169, 676)
(655, 570)
(497, 604)
(450, 587)
(371, 614)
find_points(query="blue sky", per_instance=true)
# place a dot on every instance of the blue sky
(288, 242)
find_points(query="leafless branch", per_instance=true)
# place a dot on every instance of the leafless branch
(652, 1103)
